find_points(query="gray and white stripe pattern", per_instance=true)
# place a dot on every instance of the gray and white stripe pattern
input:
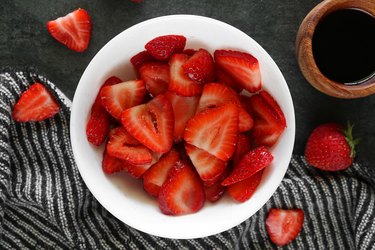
(44, 203)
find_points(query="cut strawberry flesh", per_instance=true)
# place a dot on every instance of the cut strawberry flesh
(156, 77)
(111, 164)
(244, 190)
(226, 79)
(137, 170)
(140, 59)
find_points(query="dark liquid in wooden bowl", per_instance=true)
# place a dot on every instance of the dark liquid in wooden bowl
(344, 45)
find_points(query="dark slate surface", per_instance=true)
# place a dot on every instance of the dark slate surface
(24, 41)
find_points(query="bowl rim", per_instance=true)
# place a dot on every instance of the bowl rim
(195, 233)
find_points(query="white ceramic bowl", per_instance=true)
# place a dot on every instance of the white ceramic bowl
(124, 196)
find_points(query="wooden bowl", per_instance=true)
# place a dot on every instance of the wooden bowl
(305, 55)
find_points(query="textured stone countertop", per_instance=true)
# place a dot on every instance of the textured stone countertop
(24, 41)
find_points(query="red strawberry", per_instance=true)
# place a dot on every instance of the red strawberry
(123, 146)
(178, 81)
(214, 130)
(245, 120)
(156, 77)
(111, 164)
(162, 47)
(97, 127)
(137, 170)
(242, 67)
(200, 67)
(183, 108)
(35, 104)
(214, 192)
(72, 30)
(141, 58)
(251, 163)
(243, 190)
(154, 177)
(269, 121)
(225, 78)
(189, 52)
(182, 191)
(118, 97)
(208, 166)
(284, 225)
(330, 147)
(242, 147)
(152, 124)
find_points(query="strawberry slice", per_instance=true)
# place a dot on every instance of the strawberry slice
(182, 191)
(214, 192)
(118, 97)
(162, 47)
(123, 146)
(284, 225)
(208, 166)
(137, 170)
(242, 67)
(111, 164)
(214, 130)
(183, 108)
(97, 127)
(35, 104)
(72, 30)
(200, 67)
(189, 52)
(251, 163)
(245, 120)
(154, 177)
(156, 77)
(242, 147)
(140, 59)
(243, 190)
(178, 81)
(152, 124)
(225, 78)
(269, 123)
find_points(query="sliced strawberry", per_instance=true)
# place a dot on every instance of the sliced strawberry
(111, 164)
(225, 78)
(214, 192)
(182, 191)
(72, 30)
(183, 108)
(156, 77)
(251, 163)
(162, 47)
(178, 81)
(214, 130)
(123, 146)
(269, 123)
(275, 106)
(242, 147)
(284, 225)
(141, 58)
(152, 124)
(97, 127)
(189, 52)
(118, 97)
(242, 67)
(243, 190)
(245, 121)
(208, 166)
(35, 104)
(154, 177)
(246, 104)
(137, 170)
(200, 67)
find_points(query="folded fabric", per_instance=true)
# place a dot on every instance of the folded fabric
(45, 204)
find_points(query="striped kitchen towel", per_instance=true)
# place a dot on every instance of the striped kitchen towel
(44, 203)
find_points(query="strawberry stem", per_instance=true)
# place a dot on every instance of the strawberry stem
(348, 132)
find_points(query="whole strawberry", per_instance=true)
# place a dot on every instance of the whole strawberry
(331, 147)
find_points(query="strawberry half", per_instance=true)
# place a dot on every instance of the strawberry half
(214, 192)
(35, 104)
(111, 164)
(269, 120)
(226, 79)
(152, 124)
(182, 191)
(242, 67)
(183, 108)
(214, 130)
(162, 47)
(251, 163)
(189, 52)
(208, 166)
(154, 177)
(178, 81)
(245, 120)
(242, 147)
(243, 190)
(137, 170)
(97, 127)
(118, 97)
(140, 59)
(156, 77)
(123, 146)
(284, 225)
(72, 30)
(200, 67)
